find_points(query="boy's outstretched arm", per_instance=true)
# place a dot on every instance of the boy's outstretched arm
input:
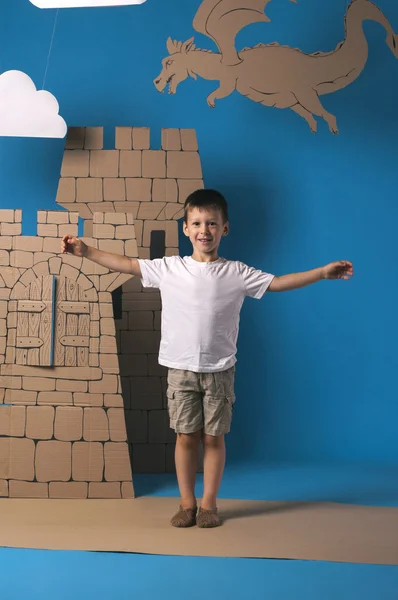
(341, 269)
(115, 262)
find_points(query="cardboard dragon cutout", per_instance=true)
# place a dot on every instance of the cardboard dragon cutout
(273, 75)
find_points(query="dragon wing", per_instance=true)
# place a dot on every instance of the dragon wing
(221, 20)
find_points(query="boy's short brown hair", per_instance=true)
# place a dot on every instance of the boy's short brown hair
(206, 199)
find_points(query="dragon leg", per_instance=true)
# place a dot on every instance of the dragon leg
(303, 112)
(227, 86)
(309, 100)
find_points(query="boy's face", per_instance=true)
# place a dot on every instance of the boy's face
(205, 229)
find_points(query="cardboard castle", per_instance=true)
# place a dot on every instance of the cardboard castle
(82, 396)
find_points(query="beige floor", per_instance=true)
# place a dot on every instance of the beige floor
(307, 531)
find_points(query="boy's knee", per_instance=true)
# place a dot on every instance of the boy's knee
(189, 439)
(213, 441)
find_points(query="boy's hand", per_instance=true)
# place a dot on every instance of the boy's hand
(73, 245)
(342, 269)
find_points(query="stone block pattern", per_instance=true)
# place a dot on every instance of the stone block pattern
(151, 185)
(62, 426)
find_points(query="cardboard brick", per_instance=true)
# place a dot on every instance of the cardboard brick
(4, 293)
(113, 246)
(59, 217)
(137, 426)
(108, 344)
(12, 421)
(141, 301)
(154, 368)
(53, 244)
(184, 165)
(159, 428)
(141, 138)
(42, 216)
(153, 163)
(114, 189)
(149, 458)
(72, 489)
(3, 327)
(104, 163)
(55, 398)
(66, 192)
(55, 265)
(171, 139)
(127, 490)
(75, 138)
(187, 186)
(11, 229)
(107, 280)
(104, 490)
(83, 373)
(117, 462)
(117, 425)
(130, 164)
(141, 320)
(107, 328)
(24, 489)
(95, 425)
(132, 285)
(68, 423)
(30, 243)
(20, 258)
(6, 242)
(172, 252)
(38, 384)
(88, 399)
(115, 218)
(138, 189)
(134, 365)
(66, 385)
(146, 393)
(7, 216)
(105, 231)
(40, 422)
(4, 258)
(131, 208)
(17, 458)
(94, 138)
(109, 363)
(53, 461)
(89, 190)
(125, 232)
(157, 319)
(113, 400)
(47, 230)
(75, 163)
(87, 461)
(150, 210)
(164, 190)
(73, 261)
(3, 488)
(123, 138)
(188, 140)
(18, 396)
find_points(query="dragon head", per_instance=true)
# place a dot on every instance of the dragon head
(175, 66)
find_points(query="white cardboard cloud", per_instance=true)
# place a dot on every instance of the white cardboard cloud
(26, 112)
(82, 3)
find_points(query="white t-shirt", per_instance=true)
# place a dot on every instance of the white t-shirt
(201, 303)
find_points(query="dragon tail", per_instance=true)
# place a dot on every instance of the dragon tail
(365, 10)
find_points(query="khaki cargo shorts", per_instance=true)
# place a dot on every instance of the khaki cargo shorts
(199, 401)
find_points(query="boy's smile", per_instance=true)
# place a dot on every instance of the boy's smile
(205, 228)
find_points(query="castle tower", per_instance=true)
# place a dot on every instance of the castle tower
(152, 185)
(62, 422)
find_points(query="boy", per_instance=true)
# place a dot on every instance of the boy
(202, 296)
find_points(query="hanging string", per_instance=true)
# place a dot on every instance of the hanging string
(50, 49)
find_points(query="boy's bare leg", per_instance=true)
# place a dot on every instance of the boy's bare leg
(186, 460)
(213, 463)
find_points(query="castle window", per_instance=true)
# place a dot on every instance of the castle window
(158, 244)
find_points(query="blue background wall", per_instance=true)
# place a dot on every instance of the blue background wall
(316, 378)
